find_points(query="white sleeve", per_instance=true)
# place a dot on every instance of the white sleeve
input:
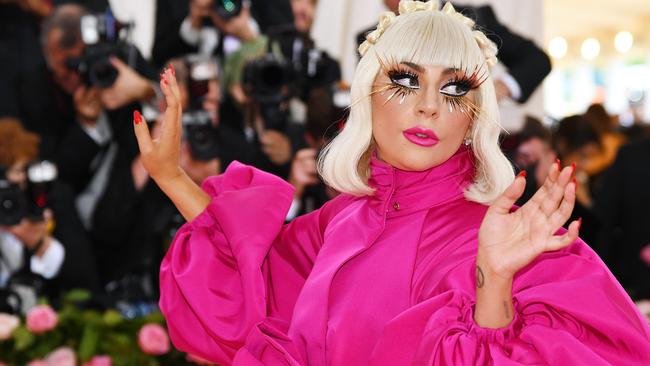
(188, 33)
(293, 210)
(512, 85)
(49, 264)
(101, 132)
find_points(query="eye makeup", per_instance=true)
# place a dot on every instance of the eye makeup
(404, 81)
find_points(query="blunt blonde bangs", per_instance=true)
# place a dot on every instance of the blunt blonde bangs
(425, 38)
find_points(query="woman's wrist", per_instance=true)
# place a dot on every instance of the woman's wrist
(494, 308)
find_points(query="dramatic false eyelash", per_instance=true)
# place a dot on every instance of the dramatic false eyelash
(394, 71)
(461, 77)
(463, 105)
(474, 79)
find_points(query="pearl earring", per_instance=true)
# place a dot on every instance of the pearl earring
(467, 141)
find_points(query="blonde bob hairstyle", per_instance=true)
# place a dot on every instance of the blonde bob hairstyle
(423, 35)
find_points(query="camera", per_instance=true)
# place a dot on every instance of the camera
(198, 129)
(103, 36)
(13, 205)
(267, 80)
(228, 9)
(16, 204)
(200, 135)
(290, 68)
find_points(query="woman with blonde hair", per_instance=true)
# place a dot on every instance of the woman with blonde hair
(422, 258)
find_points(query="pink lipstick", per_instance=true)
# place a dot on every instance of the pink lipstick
(421, 136)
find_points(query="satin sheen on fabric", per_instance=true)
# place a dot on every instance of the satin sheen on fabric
(387, 279)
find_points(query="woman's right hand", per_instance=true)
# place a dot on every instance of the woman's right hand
(160, 156)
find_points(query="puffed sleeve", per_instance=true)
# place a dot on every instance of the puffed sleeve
(236, 263)
(569, 310)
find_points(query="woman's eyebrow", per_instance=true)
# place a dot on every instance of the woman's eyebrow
(451, 70)
(420, 69)
(414, 66)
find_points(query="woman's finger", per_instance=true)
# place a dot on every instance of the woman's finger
(142, 133)
(562, 214)
(557, 242)
(556, 191)
(171, 126)
(553, 173)
(503, 204)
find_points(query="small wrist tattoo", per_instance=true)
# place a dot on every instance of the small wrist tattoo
(480, 278)
(507, 310)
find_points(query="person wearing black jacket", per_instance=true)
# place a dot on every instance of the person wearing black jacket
(622, 207)
(57, 252)
(527, 64)
(76, 122)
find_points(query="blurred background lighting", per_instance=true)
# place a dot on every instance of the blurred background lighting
(557, 47)
(623, 41)
(590, 48)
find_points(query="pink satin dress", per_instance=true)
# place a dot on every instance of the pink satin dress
(382, 280)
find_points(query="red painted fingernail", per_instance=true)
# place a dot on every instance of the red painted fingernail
(171, 67)
(137, 117)
(573, 168)
(559, 165)
(575, 181)
(579, 222)
(522, 174)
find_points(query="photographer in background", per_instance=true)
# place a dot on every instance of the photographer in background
(268, 81)
(43, 248)
(81, 100)
(134, 221)
(326, 115)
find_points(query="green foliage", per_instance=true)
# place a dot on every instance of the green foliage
(88, 333)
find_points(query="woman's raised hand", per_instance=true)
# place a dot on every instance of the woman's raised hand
(508, 241)
(160, 156)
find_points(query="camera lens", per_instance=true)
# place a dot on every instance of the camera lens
(102, 74)
(272, 76)
(13, 204)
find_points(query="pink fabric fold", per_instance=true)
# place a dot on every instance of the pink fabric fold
(384, 279)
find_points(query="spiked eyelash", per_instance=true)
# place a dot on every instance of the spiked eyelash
(464, 78)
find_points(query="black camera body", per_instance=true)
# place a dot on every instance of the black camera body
(277, 77)
(13, 204)
(101, 33)
(17, 204)
(200, 135)
(267, 80)
(198, 128)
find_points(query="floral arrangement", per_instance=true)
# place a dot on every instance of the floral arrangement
(74, 337)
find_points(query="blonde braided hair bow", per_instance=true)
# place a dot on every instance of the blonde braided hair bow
(488, 48)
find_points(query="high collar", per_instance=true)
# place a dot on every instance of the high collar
(398, 192)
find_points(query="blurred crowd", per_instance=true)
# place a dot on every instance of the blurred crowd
(77, 209)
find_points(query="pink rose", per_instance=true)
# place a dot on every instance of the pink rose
(198, 360)
(645, 254)
(63, 356)
(41, 319)
(153, 340)
(8, 323)
(99, 361)
(37, 363)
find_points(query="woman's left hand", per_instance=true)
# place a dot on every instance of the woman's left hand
(508, 241)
